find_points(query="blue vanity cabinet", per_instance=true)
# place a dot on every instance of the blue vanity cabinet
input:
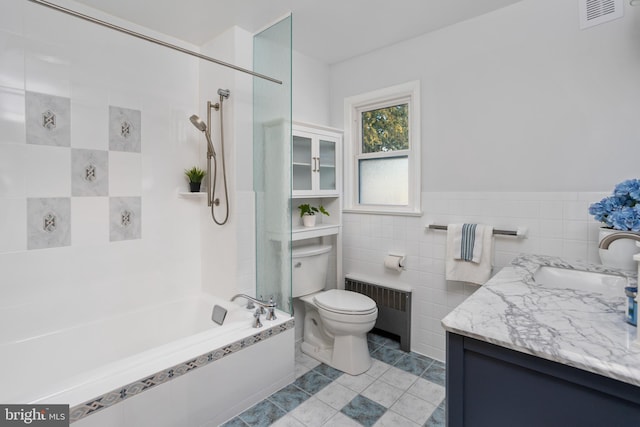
(492, 386)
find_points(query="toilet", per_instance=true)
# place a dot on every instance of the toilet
(336, 322)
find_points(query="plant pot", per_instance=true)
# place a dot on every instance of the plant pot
(194, 187)
(620, 253)
(309, 220)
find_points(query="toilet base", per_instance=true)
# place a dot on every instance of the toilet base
(350, 354)
(320, 354)
(340, 343)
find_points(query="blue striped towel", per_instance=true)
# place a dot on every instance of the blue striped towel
(465, 247)
(468, 241)
(478, 269)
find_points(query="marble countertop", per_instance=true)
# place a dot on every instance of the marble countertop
(577, 328)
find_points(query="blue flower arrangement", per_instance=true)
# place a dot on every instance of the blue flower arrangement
(621, 210)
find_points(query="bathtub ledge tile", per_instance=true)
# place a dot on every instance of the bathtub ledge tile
(92, 406)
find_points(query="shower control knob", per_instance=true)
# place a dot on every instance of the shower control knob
(271, 312)
(257, 323)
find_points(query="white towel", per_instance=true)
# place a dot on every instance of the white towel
(473, 271)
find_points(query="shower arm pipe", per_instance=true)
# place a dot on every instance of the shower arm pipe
(151, 39)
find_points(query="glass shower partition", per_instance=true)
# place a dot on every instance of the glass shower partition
(272, 53)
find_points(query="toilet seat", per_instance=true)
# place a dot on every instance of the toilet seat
(345, 302)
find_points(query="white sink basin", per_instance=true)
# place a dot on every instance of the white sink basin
(587, 281)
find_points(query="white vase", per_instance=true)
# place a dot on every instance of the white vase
(620, 253)
(309, 220)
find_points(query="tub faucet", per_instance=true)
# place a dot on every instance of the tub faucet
(257, 301)
(262, 305)
(610, 238)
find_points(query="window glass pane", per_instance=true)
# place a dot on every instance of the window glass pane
(385, 129)
(384, 181)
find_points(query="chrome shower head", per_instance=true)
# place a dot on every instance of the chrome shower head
(224, 93)
(198, 123)
(202, 127)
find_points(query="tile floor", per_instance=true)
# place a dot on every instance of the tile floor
(400, 389)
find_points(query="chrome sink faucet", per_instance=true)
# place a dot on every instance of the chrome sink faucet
(610, 238)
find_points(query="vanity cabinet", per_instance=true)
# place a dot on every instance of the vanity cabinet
(489, 385)
(316, 160)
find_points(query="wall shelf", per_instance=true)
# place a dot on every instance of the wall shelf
(190, 195)
(299, 232)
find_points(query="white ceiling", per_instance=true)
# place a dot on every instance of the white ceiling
(328, 30)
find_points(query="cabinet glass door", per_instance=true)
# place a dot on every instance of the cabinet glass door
(302, 163)
(327, 165)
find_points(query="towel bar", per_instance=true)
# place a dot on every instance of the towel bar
(521, 232)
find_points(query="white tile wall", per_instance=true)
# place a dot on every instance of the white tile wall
(13, 224)
(246, 271)
(44, 51)
(12, 115)
(558, 224)
(49, 171)
(12, 159)
(125, 174)
(90, 220)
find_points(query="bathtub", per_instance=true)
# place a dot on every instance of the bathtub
(142, 357)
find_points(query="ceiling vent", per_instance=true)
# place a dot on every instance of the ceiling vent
(594, 12)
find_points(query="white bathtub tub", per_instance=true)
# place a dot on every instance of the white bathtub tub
(98, 364)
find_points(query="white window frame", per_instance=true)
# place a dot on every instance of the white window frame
(403, 93)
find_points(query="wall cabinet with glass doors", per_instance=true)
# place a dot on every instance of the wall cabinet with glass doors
(316, 160)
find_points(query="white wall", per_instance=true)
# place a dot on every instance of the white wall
(521, 99)
(526, 120)
(310, 90)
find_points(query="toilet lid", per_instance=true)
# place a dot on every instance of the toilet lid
(345, 302)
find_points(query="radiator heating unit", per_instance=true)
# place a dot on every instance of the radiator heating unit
(394, 306)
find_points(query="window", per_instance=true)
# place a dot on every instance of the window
(382, 136)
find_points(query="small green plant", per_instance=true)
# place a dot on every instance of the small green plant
(195, 174)
(311, 210)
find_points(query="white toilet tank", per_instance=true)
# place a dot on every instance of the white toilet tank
(310, 265)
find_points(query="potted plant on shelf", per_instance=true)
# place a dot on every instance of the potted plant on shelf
(195, 176)
(308, 214)
(619, 212)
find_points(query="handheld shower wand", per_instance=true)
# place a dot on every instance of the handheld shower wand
(202, 127)
(211, 154)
